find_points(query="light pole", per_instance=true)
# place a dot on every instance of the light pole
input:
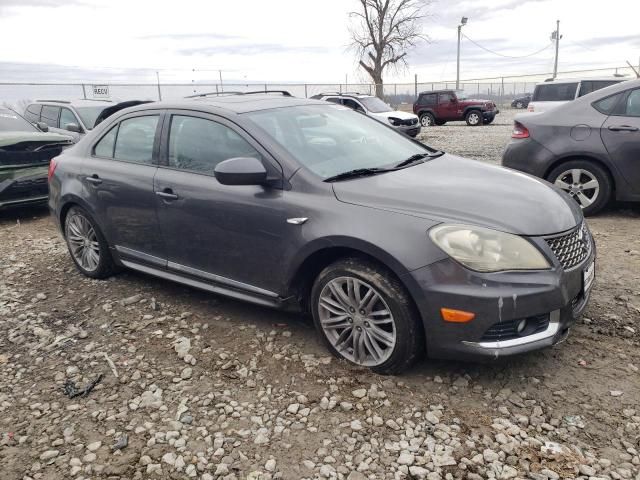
(463, 22)
(557, 37)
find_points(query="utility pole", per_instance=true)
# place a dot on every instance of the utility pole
(463, 22)
(159, 92)
(556, 36)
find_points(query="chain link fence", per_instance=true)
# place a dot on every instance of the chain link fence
(502, 90)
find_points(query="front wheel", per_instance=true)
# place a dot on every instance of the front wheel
(473, 118)
(587, 182)
(365, 316)
(519, 105)
(427, 120)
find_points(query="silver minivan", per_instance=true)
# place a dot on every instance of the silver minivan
(553, 93)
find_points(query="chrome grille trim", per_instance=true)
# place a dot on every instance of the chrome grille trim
(572, 248)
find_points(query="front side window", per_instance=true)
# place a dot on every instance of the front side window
(50, 115)
(347, 102)
(66, 117)
(446, 98)
(198, 145)
(134, 141)
(555, 92)
(331, 139)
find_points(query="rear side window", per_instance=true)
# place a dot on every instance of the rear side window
(589, 86)
(555, 92)
(32, 113)
(198, 145)
(104, 148)
(428, 99)
(135, 138)
(632, 107)
(333, 100)
(50, 115)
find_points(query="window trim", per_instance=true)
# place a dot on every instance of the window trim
(271, 164)
(116, 124)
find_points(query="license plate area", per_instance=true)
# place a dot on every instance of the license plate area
(588, 275)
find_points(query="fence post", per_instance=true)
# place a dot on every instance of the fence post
(265, 87)
(415, 83)
(305, 91)
(84, 92)
(502, 94)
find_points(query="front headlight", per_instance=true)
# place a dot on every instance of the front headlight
(486, 250)
(394, 121)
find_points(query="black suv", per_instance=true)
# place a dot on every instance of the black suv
(393, 247)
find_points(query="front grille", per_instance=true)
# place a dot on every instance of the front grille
(408, 122)
(509, 330)
(571, 249)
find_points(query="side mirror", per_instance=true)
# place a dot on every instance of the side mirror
(73, 127)
(241, 171)
(43, 127)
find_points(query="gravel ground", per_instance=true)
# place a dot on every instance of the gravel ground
(191, 385)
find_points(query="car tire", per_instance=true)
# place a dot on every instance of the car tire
(519, 105)
(398, 337)
(88, 248)
(474, 118)
(427, 120)
(584, 173)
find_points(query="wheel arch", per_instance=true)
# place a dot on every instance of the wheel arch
(67, 203)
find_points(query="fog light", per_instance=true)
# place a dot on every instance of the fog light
(522, 324)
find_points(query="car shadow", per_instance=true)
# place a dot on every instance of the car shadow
(23, 214)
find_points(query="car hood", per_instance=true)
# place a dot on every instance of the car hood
(395, 114)
(454, 189)
(474, 101)
(17, 139)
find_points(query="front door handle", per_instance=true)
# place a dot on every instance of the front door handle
(95, 179)
(167, 194)
(623, 128)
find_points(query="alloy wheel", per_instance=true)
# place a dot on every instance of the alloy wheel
(83, 242)
(519, 105)
(581, 184)
(474, 119)
(357, 321)
(425, 121)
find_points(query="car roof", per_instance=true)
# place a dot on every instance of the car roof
(345, 94)
(442, 90)
(584, 79)
(233, 103)
(78, 103)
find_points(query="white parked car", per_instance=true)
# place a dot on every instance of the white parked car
(553, 93)
(374, 107)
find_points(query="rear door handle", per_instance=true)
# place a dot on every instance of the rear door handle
(95, 179)
(623, 128)
(167, 194)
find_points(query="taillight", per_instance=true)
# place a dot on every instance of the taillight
(52, 168)
(519, 131)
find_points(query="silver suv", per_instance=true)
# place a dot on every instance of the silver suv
(374, 107)
(73, 118)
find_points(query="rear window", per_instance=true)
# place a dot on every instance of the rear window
(555, 92)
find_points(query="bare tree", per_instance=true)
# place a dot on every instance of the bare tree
(383, 31)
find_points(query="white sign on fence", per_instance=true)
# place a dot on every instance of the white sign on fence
(100, 91)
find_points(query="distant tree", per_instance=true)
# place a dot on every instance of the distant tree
(382, 33)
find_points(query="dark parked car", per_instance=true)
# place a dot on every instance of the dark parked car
(521, 102)
(588, 147)
(394, 248)
(441, 106)
(25, 152)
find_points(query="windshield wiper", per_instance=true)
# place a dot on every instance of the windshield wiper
(358, 172)
(418, 156)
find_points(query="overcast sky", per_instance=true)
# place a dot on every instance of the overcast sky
(296, 40)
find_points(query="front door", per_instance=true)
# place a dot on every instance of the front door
(225, 234)
(118, 178)
(447, 107)
(621, 137)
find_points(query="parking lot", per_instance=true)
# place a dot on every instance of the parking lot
(191, 385)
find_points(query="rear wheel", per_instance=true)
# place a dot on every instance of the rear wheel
(365, 316)
(473, 118)
(87, 245)
(587, 182)
(427, 120)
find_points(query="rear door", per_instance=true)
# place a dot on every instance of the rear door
(621, 137)
(118, 178)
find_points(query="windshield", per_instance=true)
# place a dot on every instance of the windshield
(375, 105)
(333, 139)
(89, 115)
(12, 122)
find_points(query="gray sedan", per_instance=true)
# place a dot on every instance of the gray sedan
(590, 147)
(394, 248)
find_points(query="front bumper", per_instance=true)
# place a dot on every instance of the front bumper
(497, 299)
(412, 130)
(488, 115)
